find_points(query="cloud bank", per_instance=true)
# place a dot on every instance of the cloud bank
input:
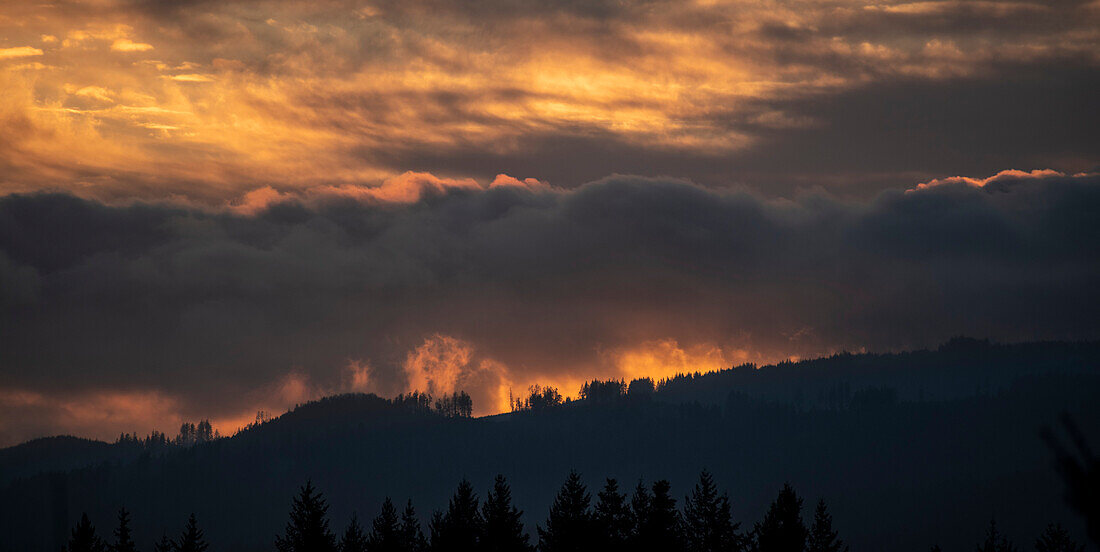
(437, 284)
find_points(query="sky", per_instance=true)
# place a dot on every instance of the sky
(210, 208)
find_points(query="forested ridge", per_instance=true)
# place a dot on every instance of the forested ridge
(910, 449)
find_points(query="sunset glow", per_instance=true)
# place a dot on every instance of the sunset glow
(213, 208)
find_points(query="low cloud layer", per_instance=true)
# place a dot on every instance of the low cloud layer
(151, 313)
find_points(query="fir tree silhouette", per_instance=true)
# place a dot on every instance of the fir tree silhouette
(1055, 538)
(385, 535)
(782, 529)
(569, 525)
(192, 539)
(84, 539)
(662, 527)
(995, 541)
(708, 524)
(412, 538)
(123, 541)
(307, 530)
(822, 537)
(165, 544)
(612, 519)
(459, 528)
(353, 540)
(640, 504)
(503, 529)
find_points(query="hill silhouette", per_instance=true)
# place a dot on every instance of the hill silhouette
(909, 449)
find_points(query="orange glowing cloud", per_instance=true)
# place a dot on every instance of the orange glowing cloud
(118, 103)
(1010, 174)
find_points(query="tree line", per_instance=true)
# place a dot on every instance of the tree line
(646, 521)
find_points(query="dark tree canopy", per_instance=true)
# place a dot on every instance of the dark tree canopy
(782, 529)
(503, 529)
(353, 539)
(1055, 538)
(412, 538)
(708, 524)
(192, 539)
(459, 528)
(124, 542)
(307, 530)
(84, 539)
(569, 525)
(165, 544)
(995, 541)
(613, 521)
(661, 528)
(822, 536)
(385, 535)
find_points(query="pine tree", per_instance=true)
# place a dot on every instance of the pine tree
(708, 524)
(503, 529)
(192, 539)
(822, 537)
(1055, 538)
(412, 538)
(353, 540)
(458, 529)
(84, 539)
(164, 544)
(123, 541)
(385, 535)
(662, 527)
(612, 519)
(782, 529)
(995, 541)
(640, 505)
(307, 530)
(569, 525)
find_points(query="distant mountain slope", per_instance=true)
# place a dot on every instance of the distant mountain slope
(61, 453)
(910, 449)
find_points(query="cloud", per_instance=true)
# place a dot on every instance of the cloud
(452, 285)
(19, 51)
(127, 45)
(336, 94)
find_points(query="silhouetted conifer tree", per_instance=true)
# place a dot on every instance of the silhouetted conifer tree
(307, 530)
(84, 539)
(192, 539)
(995, 541)
(164, 544)
(612, 519)
(569, 525)
(503, 529)
(640, 504)
(353, 540)
(1055, 538)
(822, 537)
(123, 541)
(661, 529)
(782, 529)
(412, 538)
(385, 535)
(459, 528)
(708, 525)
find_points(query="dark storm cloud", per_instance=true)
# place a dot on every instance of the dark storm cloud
(207, 306)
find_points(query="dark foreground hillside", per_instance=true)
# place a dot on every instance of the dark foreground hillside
(908, 450)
